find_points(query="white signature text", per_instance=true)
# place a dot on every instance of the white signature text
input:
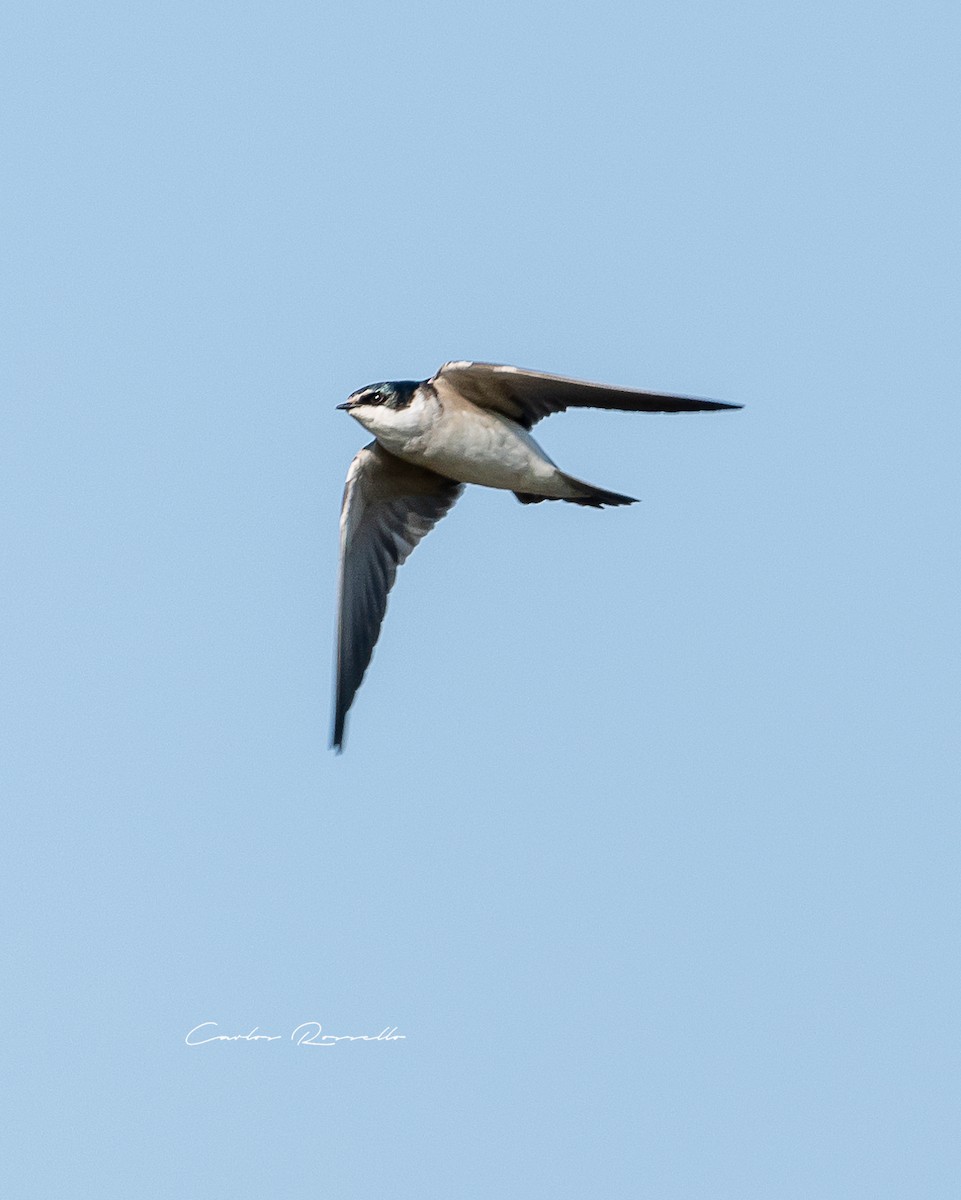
(309, 1033)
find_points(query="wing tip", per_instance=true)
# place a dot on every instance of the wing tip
(696, 404)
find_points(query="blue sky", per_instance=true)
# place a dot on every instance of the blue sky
(646, 834)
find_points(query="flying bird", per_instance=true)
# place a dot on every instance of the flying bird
(469, 423)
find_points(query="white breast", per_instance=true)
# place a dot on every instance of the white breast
(475, 445)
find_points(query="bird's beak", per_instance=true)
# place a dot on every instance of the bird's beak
(347, 405)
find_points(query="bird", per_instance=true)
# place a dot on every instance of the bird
(468, 423)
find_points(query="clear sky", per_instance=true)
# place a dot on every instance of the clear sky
(646, 836)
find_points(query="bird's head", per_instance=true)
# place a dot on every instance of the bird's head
(380, 395)
(383, 407)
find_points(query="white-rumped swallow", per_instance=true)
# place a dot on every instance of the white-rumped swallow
(470, 423)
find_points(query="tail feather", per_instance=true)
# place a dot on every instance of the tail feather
(584, 493)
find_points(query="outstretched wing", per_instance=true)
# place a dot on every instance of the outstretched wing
(527, 396)
(388, 507)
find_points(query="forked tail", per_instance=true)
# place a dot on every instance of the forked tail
(582, 493)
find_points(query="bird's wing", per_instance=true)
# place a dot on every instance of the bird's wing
(388, 507)
(527, 396)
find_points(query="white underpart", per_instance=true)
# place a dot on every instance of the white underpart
(487, 448)
(466, 443)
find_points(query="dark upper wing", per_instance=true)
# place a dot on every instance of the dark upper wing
(388, 507)
(526, 396)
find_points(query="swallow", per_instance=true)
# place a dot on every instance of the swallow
(469, 423)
